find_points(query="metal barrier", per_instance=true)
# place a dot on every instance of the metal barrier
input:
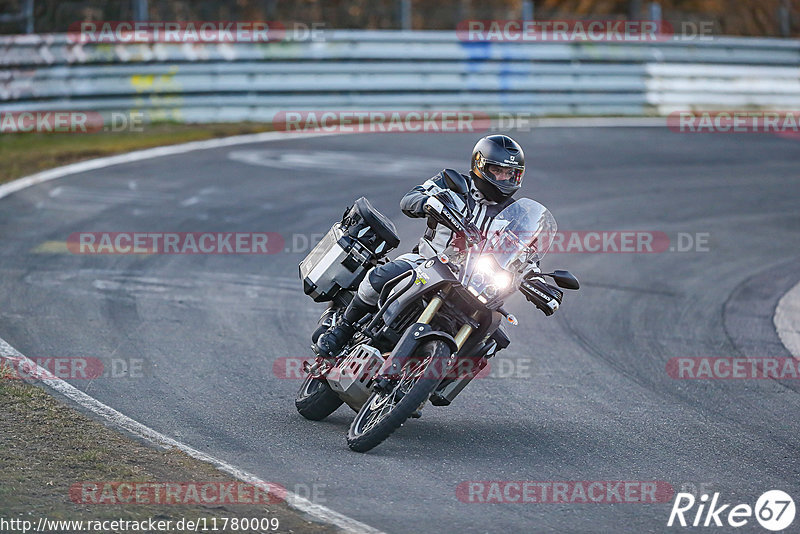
(396, 70)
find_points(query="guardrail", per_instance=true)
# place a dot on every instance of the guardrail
(396, 70)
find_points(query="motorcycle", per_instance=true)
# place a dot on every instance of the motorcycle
(436, 326)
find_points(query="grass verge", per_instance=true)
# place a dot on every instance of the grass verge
(28, 153)
(47, 447)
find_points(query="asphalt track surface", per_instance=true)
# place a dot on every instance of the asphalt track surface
(598, 404)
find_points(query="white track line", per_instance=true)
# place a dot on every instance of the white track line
(122, 421)
(787, 320)
(139, 155)
(117, 419)
(126, 423)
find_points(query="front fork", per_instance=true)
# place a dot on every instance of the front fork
(461, 336)
(433, 307)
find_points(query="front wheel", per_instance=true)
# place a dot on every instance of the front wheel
(316, 400)
(385, 411)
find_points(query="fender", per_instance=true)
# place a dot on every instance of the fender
(414, 336)
(441, 336)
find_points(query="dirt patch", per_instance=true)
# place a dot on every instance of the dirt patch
(48, 449)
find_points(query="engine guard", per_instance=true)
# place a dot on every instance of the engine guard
(352, 378)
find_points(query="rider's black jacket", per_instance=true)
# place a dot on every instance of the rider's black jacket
(481, 211)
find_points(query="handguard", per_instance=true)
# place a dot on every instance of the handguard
(442, 209)
(544, 296)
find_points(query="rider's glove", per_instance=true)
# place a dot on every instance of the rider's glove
(432, 206)
(533, 273)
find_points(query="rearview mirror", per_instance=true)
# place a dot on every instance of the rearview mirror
(565, 280)
(456, 182)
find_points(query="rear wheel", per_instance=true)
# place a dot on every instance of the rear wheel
(316, 400)
(385, 411)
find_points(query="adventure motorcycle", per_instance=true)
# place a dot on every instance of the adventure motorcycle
(436, 326)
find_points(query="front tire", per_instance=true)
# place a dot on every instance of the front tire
(316, 400)
(382, 414)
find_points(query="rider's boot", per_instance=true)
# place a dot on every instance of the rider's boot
(331, 342)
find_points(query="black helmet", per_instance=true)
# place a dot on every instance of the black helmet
(498, 165)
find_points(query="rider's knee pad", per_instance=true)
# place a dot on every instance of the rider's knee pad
(370, 288)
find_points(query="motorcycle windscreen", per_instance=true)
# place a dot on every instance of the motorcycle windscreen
(519, 237)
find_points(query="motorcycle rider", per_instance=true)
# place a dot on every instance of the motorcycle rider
(496, 172)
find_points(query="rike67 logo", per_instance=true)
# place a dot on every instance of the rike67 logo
(774, 511)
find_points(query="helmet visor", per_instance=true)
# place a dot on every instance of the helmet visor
(505, 174)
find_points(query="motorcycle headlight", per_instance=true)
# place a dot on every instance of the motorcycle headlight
(485, 264)
(497, 276)
(502, 279)
(489, 279)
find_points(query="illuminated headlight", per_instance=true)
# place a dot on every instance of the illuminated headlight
(485, 264)
(502, 279)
